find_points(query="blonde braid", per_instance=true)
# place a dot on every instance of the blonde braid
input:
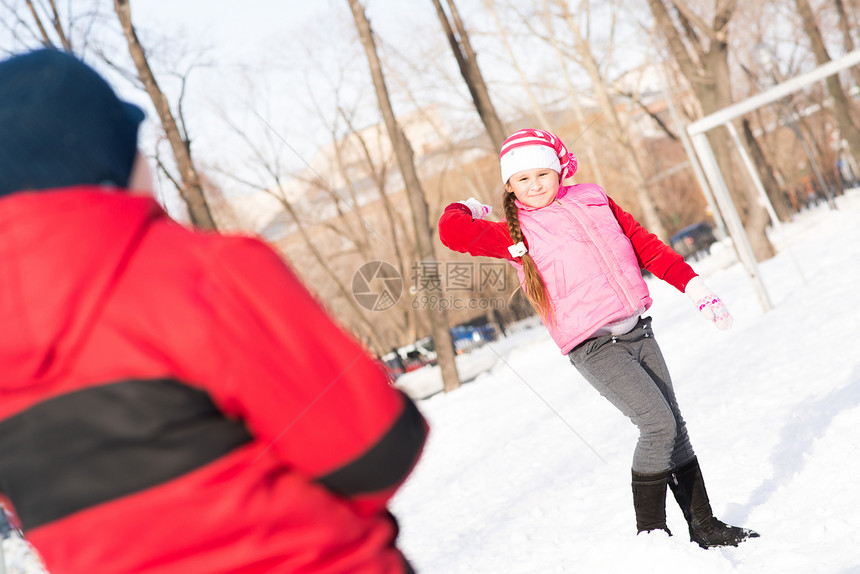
(534, 285)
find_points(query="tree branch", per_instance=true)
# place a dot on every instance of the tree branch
(638, 101)
(693, 18)
(58, 26)
(722, 16)
(689, 67)
(46, 40)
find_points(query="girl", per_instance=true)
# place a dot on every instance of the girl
(578, 256)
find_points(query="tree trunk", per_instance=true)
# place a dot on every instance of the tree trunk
(65, 44)
(468, 63)
(646, 203)
(766, 174)
(420, 217)
(378, 176)
(845, 26)
(275, 189)
(191, 190)
(753, 214)
(841, 106)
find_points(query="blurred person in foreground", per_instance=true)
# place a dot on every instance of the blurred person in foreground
(172, 401)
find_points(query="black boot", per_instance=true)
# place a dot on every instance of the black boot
(649, 501)
(688, 486)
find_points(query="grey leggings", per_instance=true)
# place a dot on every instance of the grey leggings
(629, 371)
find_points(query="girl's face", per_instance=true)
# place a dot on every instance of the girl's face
(534, 187)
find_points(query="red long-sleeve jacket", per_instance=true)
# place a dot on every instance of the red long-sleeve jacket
(588, 251)
(459, 232)
(177, 402)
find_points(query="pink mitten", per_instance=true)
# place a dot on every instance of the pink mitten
(478, 209)
(708, 304)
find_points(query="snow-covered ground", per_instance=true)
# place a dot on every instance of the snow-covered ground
(19, 557)
(527, 469)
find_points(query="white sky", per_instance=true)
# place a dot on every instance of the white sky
(250, 27)
(270, 42)
(269, 58)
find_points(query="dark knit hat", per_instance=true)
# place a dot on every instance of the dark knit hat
(61, 124)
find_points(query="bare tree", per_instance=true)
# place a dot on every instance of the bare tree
(765, 172)
(403, 251)
(471, 72)
(190, 189)
(700, 50)
(361, 157)
(417, 202)
(841, 105)
(601, 92)
(846, 24)
(275, 186)
(55, 22)
(40, 22)
(571, 90)
(543, 122)
(454, 151)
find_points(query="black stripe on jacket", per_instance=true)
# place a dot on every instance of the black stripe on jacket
(387, 462)
(91, 446)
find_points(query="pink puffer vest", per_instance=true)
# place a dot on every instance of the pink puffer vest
(586, 261)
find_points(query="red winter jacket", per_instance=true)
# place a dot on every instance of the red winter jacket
(177, 402)
(459, 232)
(565, 228)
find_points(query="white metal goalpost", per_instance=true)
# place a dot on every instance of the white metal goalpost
(697, 132)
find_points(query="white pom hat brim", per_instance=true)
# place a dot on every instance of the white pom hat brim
(528, 157)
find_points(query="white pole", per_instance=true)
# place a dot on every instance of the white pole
(731, 217)
(775, 93)
(718, 185)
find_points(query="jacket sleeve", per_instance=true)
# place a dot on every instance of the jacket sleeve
(651, 253)
(303, 386)
(459, 232)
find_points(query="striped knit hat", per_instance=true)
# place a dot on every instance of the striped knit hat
(534, 149)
